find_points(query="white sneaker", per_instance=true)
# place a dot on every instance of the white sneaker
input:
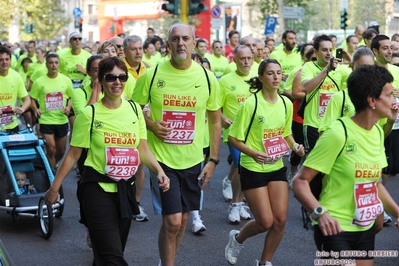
(142, 216)
(233, 248)
(244, 214)
(290, 179)
(198, 226)
(387, 218)
(227, 191)
(268, 263)
(234, 213)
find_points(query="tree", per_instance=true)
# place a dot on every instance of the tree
(365, 11)
(48, 17)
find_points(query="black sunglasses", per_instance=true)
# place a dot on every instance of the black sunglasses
(119, 46)
(112, 78)
(77, 38)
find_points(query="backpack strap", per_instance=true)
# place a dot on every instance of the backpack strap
(84, 92)
(285, 105)
(134, 107)
(343, 104)
(346, 137)
(252, 118)
(207, 79)
(92, 119)
(152, 81)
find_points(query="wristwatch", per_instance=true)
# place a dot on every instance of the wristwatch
(317, 212)
(215, 161)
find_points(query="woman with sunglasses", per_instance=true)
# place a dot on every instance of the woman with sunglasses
(115, 148)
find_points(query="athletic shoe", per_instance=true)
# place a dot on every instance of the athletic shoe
(234, 213)
(227, 192)
(142, 217)
(387, 218)
(268, 263)
(244, 214)
(290, 179)
(233, 248)
(198, 226)
(88, 239)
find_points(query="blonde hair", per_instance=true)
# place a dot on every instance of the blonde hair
(20, 174)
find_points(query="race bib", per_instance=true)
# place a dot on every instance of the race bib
(368, 205)
(324, 98)
(183, 124)
(77, 83)
(275, 149)
(6, 119)
(54, 101)
(121, 162)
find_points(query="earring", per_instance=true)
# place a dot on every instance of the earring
(373, 107)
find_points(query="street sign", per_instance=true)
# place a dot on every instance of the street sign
(344, 4)
(293, 12)
(270, 26)
(216, 23)
(77, 12)
(216, 12)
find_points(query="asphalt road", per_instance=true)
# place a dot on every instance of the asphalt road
(67, 245)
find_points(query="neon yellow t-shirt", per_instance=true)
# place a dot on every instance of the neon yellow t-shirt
(180, 98)
(23, 75)
(52, 95)
(81, 97)
(270, 121)
(394, 70)
(108, 131)
(290, 79)
(11, 88)
(233, 92)
(334, 109)
(218, 64)
(38, 72)
(32, 67)
(68, 66)
(315, 109)
(233, 67)
(361, 160)
(287, 61)
(14, 62)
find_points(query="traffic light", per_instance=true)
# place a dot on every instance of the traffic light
(344, 18)
(172, 7)
(80, 25)
(196, 6)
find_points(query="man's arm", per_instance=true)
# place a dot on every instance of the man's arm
(214, 124)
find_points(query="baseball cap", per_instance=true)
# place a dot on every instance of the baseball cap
(74, 34)
(373, 24)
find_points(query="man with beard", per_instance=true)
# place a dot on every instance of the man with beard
(287, 57)
(177, 111)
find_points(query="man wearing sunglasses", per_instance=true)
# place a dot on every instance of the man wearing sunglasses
(72, 65)
(218, 61)
(179, 95)
(118, 41)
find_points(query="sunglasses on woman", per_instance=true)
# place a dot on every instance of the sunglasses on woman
(112, 77)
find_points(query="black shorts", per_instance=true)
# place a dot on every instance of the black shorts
(206, 151)
(184, 193)
(250, 179)
(71, 112)
(357, 242)
(297, 133)
(59, 131)
(310, 136)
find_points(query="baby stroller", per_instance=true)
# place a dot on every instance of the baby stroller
(24, 152)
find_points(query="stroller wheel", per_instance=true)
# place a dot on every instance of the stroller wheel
(46, 218)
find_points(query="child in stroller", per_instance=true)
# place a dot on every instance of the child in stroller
(24, 186)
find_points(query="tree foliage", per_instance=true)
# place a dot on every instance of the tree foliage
(48, 16)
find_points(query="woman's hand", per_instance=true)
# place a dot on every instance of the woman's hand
(299, 149)
(51, 196)
(260, 157)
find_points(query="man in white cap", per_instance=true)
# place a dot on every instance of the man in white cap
(374, 25)
(72, 64)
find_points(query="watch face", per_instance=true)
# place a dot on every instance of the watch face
(318, 210)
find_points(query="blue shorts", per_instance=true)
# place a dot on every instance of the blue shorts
(235, 155)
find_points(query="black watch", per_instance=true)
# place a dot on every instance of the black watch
(215, 161)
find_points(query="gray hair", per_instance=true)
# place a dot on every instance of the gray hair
(239, 47)
(180, 24)
(360, 52)
(131, 38)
